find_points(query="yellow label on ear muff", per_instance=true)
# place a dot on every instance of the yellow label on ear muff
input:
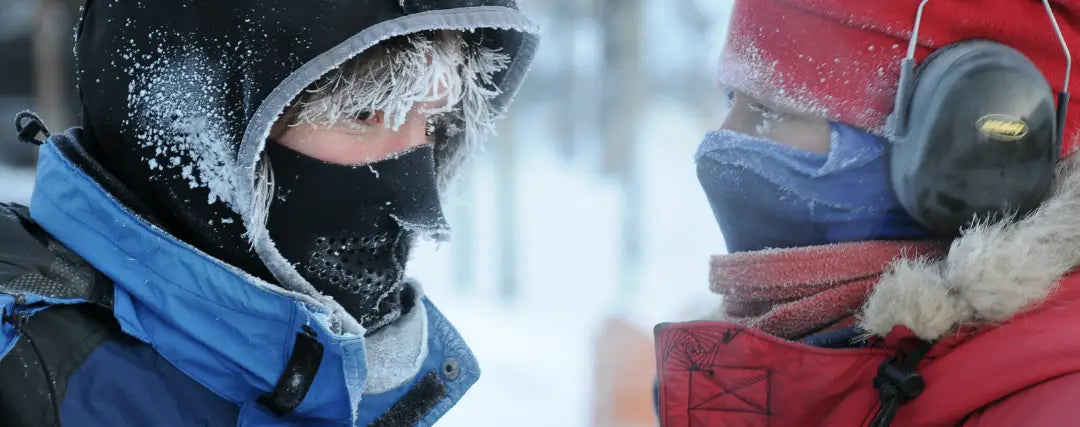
(1002, 127)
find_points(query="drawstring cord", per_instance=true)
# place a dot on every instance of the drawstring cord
(897, 382)
(19, 322)
(28, 126)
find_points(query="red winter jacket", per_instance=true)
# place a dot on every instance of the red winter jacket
(1001, 309)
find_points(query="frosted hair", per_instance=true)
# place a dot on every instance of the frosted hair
(400, 72)
(392, 77)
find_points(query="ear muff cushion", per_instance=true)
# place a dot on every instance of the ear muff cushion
(944, 170)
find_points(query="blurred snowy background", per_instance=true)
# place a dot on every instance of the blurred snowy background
(578, 228)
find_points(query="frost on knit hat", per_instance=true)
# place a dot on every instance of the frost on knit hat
(840, 59)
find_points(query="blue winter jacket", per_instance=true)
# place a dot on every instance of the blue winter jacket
(189, 340)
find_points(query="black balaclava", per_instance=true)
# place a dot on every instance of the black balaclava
(349, 228)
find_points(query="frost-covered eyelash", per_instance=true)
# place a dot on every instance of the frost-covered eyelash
(756, 107)
(766, 112)
(436, 122)
(429, 127)
(769, 118)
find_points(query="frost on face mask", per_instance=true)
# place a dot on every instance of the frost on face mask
(353, 245)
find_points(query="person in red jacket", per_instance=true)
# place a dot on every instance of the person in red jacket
(902, 220)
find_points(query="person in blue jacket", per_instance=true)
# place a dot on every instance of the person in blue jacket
(223, 241)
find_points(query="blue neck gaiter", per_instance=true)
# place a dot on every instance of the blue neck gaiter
(769, 195)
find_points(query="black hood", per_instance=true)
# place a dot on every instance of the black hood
(181, 95)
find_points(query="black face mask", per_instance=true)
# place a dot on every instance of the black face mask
(348, 229)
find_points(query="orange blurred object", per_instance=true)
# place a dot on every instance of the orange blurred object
(625, 370)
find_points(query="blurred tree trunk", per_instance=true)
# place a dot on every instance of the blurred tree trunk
(50, 50)
(574, 37)
(505, 155)
(463, 224)
(625, 84)
(561, 35)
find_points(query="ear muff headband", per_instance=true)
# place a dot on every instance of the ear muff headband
(897, 125)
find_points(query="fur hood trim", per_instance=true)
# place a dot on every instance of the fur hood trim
(992, 272)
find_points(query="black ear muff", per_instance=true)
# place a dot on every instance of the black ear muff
(975, 133)
(977, 136)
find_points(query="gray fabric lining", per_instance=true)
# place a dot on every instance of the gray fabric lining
(397, 352)
(258, 129)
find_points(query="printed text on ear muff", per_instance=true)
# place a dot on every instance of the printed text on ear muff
(1002, 127)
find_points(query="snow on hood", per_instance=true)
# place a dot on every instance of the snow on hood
(185, 92)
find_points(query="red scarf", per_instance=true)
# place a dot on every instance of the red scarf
(791, 293)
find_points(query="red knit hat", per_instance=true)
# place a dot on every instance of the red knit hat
(840, 59)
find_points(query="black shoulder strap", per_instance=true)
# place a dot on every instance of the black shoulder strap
(32, 262)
